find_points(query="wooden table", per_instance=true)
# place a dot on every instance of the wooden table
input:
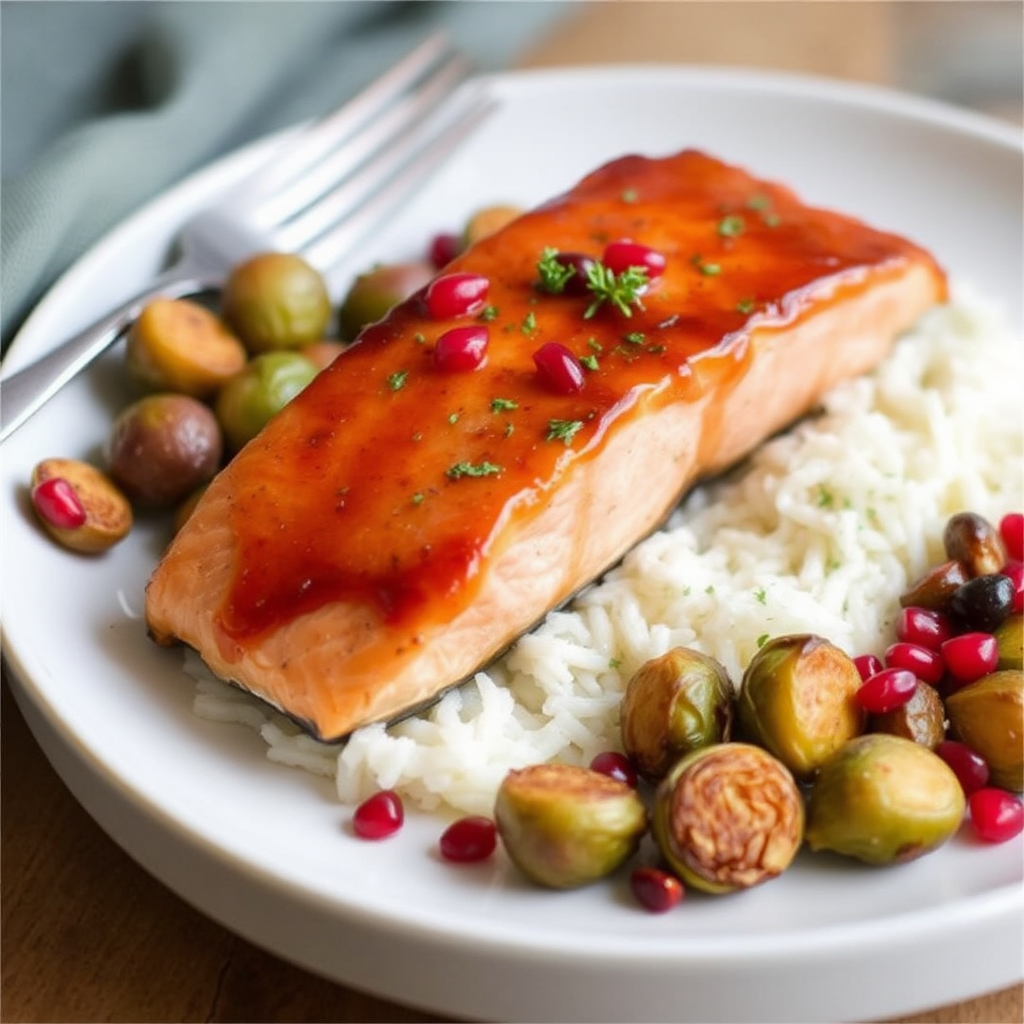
(87, 934)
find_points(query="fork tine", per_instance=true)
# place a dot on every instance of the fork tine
(326, 133)
(395, 186)
(392, 122)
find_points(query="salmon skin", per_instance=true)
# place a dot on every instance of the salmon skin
(397, 525)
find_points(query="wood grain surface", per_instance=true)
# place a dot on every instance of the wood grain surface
(88, 935)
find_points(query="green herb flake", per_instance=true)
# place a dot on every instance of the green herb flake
(630, 195)
(614, 663)
(621, 290)
(656, 350)
(419, 338)
(771, 220)
(759, 202)
(509, 427)
(461, 469)
(503, 405)
(746, 306)
(634, 337)
(563, 430)
(761, 595)
(396, 380)
(417, 498)
(553, 273)
(529, 323)
(590, 362)
(488, 313)
(453, 417)
(732, 226)
(595, 345)
(762, 640)
(707, 269)
(826, 499)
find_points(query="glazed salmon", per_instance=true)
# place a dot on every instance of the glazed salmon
(401, 522)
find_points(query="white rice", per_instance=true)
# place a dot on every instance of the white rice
(819, 531)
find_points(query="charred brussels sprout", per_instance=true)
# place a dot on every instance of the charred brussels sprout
(672, 705)
(974, 541)
(797, 700)
(565, 826)
(922, 719)
(883, 799)
(728, 817)
(276, 300)
(988, 715)
(374, 293)
(1008, 637)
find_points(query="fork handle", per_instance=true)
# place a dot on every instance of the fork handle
(25, 392)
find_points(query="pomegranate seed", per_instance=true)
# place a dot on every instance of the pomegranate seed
(886, 690)
(581, 263)
(1011, 529)
(379, 816)
(559, 370)
(461, 349)
(58, 503)
(456, 295)
(923, 627)
(925, 664)
(967, 765)
(867, 665)
(616, 766)
(1014, 571)
(657, 890)
(623, 254)
(970, 656)
(444, 248)
(469, 839)
(996, 814)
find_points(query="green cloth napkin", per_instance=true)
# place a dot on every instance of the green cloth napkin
(105, 104)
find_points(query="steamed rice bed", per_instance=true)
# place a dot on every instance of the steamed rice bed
(819, 531)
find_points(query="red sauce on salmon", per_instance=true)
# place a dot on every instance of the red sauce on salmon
(387, 477)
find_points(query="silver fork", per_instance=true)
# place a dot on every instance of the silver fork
(322, 190)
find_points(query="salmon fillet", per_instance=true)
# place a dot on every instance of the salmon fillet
(395, 527)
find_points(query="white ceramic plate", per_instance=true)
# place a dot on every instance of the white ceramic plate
(265, 850)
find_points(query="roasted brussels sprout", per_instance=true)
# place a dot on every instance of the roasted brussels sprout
(672, 705)
(936, 587)
(988, 715)
(79, 506)
(487, 220)
(921, 719)
(178, 345)
(797, 699)
(565, 826)
(974, 541)
(374, 293)
(162, 447)
(266, 385)
(276, 300)
(883, 799)
(727, 817)
(1009, 638)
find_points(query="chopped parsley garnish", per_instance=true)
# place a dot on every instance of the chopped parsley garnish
(503, 405)
(461, 469)
(563, 430)
(529, 323)
(553, 273)
(745, 306)
(417, 498)
(761, 595)
(634, 337)
(707, 269)
(509, 427)
(488, 313)
(593, 343)
(396, 381)
(621, 290)
(732, 226)
(590, 362)
(419, 338)
(656, 350)
(759, 202)
(453, 417)
(630, 195)
(762, 640)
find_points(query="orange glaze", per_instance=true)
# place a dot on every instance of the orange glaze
(352, 501)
